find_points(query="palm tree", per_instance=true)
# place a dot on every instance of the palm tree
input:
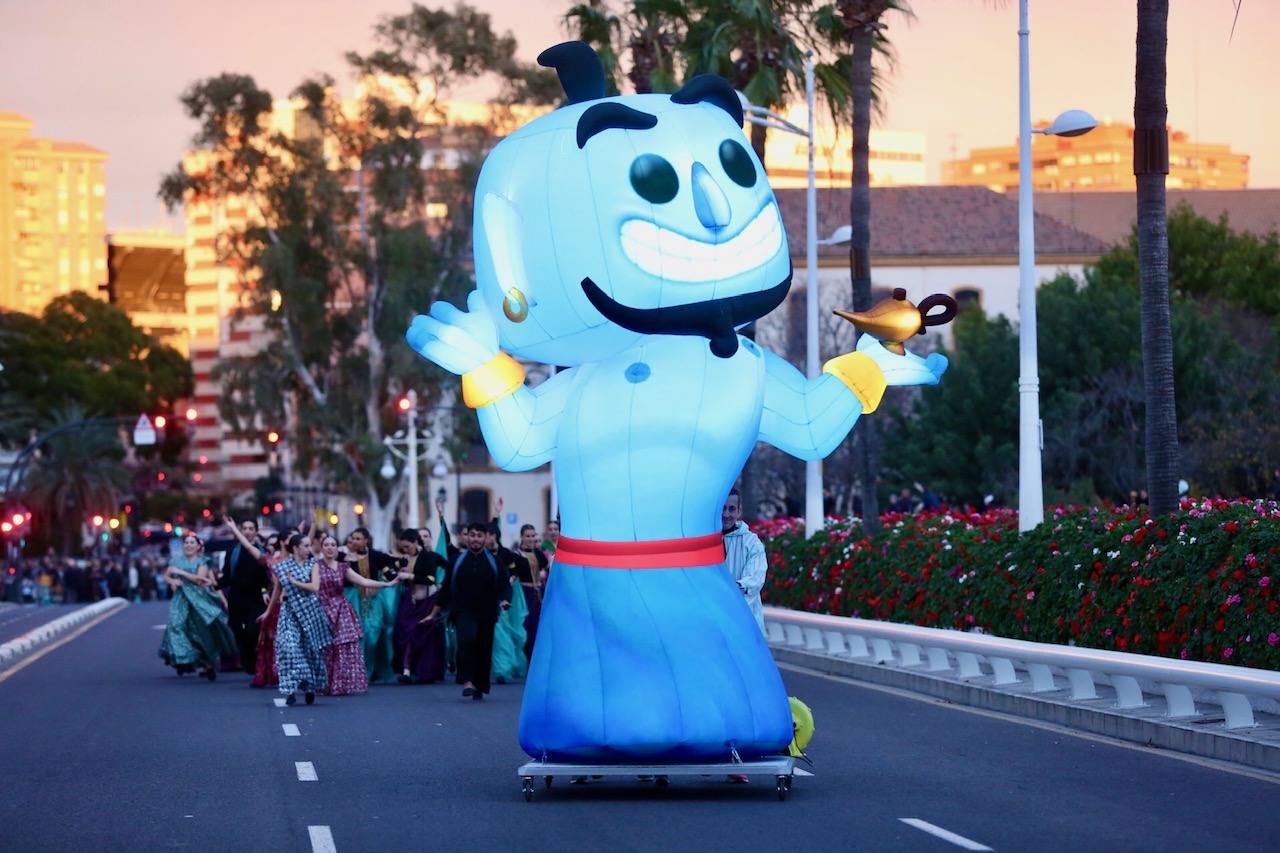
(1150, 165)
(595, 23)
(79, 472)
(863, 27)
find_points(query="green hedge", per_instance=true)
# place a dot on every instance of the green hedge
(1198, 585)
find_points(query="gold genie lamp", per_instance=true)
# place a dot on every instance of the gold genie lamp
(894, 320)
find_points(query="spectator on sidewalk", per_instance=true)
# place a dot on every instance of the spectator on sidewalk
(744, 555)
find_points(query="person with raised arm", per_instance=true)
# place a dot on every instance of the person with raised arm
(243, 580)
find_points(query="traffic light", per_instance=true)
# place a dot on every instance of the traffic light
(404, 404)
(160, 421)
(192, 414)
(97, 520)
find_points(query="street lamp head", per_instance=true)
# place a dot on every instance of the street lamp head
(1071, 123)
(440, 469)
(843, 234)
(388, 469)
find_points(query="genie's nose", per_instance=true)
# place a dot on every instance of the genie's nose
(709, 201)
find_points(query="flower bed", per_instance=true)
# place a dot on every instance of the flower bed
(1196, 585)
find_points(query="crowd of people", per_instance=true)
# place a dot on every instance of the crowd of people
(312, 615)
(55, 579)
(309, 614)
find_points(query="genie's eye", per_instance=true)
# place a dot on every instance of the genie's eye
(737, 163)
(654, 178)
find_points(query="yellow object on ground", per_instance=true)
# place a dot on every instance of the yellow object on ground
(802, 724)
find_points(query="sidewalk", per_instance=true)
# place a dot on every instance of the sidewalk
(42, 633)
(1202, 735)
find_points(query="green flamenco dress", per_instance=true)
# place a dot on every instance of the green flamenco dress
(197, 634)
(509, 662)
(377, 610)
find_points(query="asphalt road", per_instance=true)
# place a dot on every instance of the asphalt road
(105, 749)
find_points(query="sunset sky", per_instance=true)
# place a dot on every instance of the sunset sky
(109, 74)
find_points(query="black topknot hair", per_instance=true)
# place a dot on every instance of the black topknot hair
(579, 68)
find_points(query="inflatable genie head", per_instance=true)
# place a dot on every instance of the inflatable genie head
(613, 218)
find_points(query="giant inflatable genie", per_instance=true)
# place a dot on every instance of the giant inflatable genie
(628, 239)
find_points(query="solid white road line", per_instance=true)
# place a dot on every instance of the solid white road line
(800, 771)
(321, 839)
(944, 834)
(306, 771)
(279, 701)
(291, 730)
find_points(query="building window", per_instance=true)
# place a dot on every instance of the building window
(967, 298)
(437, 210)
(475, 505)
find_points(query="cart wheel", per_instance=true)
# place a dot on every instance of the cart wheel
(782, 787)
(661, 781)
(789, 778)
(526, 785)
(546, 780)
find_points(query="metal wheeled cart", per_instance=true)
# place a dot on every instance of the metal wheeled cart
(782, 768)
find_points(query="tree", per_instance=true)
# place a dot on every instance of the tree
(84, 353)
(78, 473)
(1150, 165)
(1210, 260)
(860, 24)
(344, 247)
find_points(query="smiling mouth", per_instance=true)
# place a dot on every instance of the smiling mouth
(669, 255)
(715, 319)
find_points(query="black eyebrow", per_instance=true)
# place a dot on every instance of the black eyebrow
(611, 115)
(713, 90)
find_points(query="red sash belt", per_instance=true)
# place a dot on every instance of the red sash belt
(655, 554)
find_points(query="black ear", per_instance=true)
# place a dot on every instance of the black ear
(714, 90)
(580, 71)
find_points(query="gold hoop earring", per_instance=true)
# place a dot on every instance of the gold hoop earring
(515, 305)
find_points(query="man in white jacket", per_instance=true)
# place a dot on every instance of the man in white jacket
(744, 555)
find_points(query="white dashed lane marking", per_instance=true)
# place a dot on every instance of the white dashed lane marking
(944, 834)
(291, 730)
(306, 771)
(321, 839)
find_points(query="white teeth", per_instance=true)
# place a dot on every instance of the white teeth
(663, 253)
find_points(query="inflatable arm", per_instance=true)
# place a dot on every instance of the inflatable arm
(806, 418)
(520, 428)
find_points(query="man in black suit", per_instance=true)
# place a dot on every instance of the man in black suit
(244, 579)
(474, 590)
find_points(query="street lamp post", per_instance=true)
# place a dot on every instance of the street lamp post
(1030, 430)
(410, 455)
(813, 519)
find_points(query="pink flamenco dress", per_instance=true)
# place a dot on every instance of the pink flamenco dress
(344, 659)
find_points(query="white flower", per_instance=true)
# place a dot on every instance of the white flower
(1111, 555)
(1192, 540)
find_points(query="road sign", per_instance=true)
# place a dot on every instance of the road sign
(144, 435)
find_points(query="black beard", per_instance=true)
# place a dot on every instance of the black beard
(716, 319)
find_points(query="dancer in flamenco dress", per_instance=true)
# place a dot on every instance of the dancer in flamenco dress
(303, 632)
(264, 673)
(197, 633)
(344, 657)
(628, 239)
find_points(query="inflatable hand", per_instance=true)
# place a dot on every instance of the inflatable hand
(907, 369)
(458, 341)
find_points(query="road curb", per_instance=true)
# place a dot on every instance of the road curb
(1258, 748)
(20, 647)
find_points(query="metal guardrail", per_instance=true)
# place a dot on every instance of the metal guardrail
(1235, 688)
